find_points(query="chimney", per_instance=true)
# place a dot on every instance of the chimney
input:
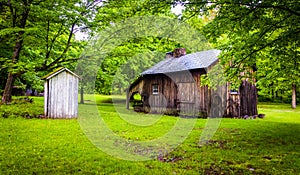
(178, 52)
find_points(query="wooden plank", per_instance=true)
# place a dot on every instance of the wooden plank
(59, 95)
(75, 96)
(46, 98)
(71, 99)
(67, 94)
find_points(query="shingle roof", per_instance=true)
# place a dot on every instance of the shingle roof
(196, 60)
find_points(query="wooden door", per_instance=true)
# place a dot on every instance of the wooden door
(186, 98)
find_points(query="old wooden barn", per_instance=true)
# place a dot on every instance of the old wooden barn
(173, 86)
(61, 94)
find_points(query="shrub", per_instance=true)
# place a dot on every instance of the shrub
(23, 107)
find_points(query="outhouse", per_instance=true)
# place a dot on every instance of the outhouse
(61, 94)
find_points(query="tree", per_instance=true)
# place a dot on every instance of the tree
(42, 33)
(128, 60)
(118, 69)
(86, 68)
(271, 84)
(255, 28)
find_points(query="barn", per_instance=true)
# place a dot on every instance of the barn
(61, 94)
(173, 86)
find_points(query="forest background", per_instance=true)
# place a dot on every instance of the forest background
(39, 36)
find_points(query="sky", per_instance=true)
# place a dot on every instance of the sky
(177, 9)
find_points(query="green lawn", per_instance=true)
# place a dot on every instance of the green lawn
(47, 146)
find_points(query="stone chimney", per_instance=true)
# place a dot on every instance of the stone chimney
(178, 52)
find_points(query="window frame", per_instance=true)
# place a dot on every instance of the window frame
(155, 89)
(234, 92)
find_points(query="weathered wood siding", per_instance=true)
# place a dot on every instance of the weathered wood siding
(233, 105)
(164, 100)
(248, 99)
(242, 103)
(46, 98)
(61, 96)
(181, 93)
(218, 102)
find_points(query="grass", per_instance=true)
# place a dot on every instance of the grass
(46, 146)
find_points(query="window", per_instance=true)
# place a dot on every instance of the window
(234, 91)
(155, 89)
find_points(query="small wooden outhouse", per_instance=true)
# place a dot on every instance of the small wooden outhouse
(61, 94)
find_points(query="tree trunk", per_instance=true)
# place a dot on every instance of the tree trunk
(11, 77)
(16, 54)
(81, 95)
(294, 96)
(6, 98)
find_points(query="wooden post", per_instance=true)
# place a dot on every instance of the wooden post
(294, 96)
(127, 98)
(46, 98)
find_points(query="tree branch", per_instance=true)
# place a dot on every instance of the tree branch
(280, 8)
(47, 40)
(68, 44)
(270, 27)
(263, 47)
(53, 40)
(260, 5)
(13, 13)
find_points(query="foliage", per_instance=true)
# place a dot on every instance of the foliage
(114, 11)
(214, 77)
(40, 37)
(135, 40)
(23, 107)
(254, 33)
(112, 76)
(275, 80)
(127, 61)
(261, 146)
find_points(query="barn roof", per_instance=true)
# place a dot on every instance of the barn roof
(191, 61)
(58, 71)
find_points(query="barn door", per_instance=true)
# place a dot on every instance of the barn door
(186, 98)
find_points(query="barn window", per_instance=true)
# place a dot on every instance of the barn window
(234, 91)
(155, 89)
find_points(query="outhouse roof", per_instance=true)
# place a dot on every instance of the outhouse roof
(58, 71)
(196, 60)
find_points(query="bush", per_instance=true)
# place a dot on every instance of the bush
(23, 107)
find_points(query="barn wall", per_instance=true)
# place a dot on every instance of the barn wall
(244, 102)
(233, 105)
(178, 92)
(62, 101)
(202, 93)
(248, 99)
(218, 101)
(164, 100)
(182, 93)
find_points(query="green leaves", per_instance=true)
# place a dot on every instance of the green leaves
(125, 63)
(265, 33)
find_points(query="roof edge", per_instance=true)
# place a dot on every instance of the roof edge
(57, 71)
